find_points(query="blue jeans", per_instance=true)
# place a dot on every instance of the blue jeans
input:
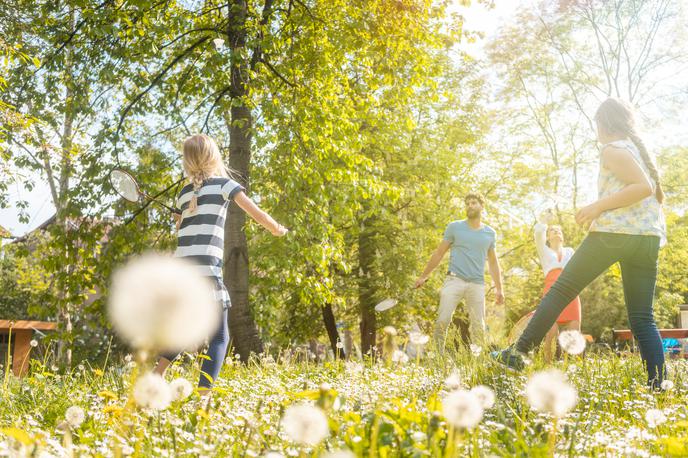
(217, 350)
(637, 257)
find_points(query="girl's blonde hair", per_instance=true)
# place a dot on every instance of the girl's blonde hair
(201, 160)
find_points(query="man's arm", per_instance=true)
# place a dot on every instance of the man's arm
(433, 262)
(496, 274)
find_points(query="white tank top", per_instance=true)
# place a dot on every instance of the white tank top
(642, 218)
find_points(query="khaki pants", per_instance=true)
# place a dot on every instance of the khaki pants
(453, 291)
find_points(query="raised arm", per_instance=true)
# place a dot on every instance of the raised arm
(540, 233)
(259, 215)
(433, 262)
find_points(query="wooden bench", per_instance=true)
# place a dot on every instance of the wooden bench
(21, 333)
(622, 335)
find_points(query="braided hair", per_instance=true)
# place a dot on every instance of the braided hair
(201, 160)
(616, 117)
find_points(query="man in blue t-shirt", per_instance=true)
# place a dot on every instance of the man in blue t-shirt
(471, 243)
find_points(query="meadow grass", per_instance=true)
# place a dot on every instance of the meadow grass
(373, 409)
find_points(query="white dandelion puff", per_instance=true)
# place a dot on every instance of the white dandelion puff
(399, 356)
(462, 409)
(667, 385)
(549, 391)
(75, 416)
(572, 342)
(33, 343)
(453, 382)
(485, 395)
(655, 417)
(152, 392)
(181, 389)
(476, 349)
(305, 424)
(418, 338)
(162, 303)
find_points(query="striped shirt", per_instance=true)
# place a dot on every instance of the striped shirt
(201, 233)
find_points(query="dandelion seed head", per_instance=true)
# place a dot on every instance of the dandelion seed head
(181, 389)
(572, 342)
(462, 409)
(305, 424)
(667, 385)
(162, 303)
(418, 338)
(485, 395)
(75, 416)
(476, 349)
(549, 391)
(399, 356)
(152, 392)
(655, 417)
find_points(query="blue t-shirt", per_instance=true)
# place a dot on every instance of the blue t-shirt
(469, 249)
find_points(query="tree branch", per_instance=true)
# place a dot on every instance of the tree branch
(156, 80)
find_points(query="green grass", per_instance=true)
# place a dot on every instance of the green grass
(373, 409)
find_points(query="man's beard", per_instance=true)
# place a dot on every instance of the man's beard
(473, 213)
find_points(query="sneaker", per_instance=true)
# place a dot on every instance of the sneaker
(509, 357)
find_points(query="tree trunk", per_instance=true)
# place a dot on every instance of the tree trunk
(332, 333)
(64, 350)
(365, 290)
(243, 328)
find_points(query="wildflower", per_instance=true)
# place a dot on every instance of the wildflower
(549, 391)
(572, 342)
(81, 368)
(419, 436)
(162, 303)
(399, 356)
(654, 417)
(181, 389)
(33, 343)
(462, 409)
(340, 344)
(667, 385)
(305, 424)
(453, 382)
(151, 391)
(476, 349)
(485, 395)
(75, 416)
(418, 338)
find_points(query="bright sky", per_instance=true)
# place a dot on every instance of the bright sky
(477, 18)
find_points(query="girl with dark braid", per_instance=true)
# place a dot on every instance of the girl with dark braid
(626, 226)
